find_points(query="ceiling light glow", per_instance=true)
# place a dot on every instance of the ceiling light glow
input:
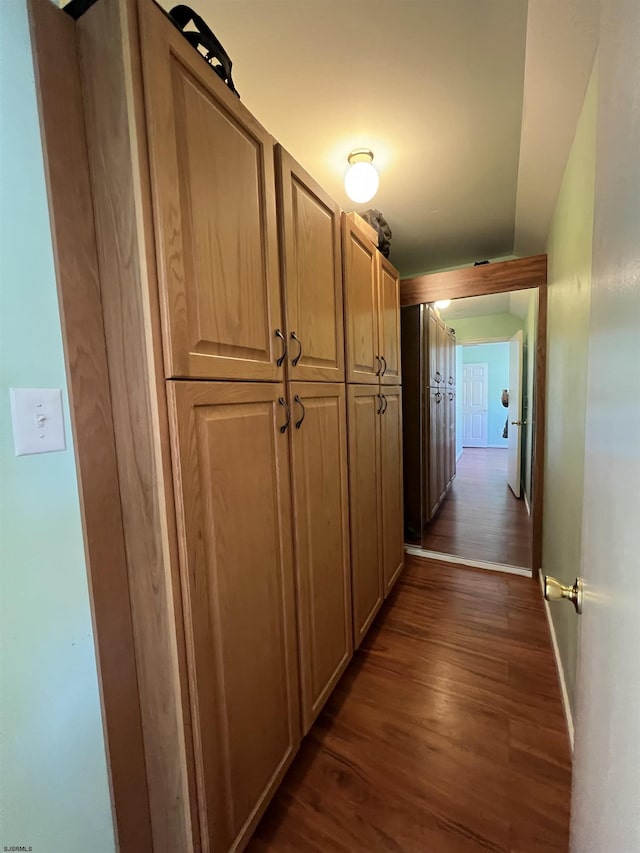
(443, 303)
(361, 181)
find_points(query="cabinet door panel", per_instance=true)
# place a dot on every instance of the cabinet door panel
(321, 536)
(234, 515)
(433, 431)
(361, 304)
(391, 483)
(434, 372)
(213, 190)
(389, 301)
(364, 480)
(312, 274)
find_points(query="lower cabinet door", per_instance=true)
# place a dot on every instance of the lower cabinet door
(364, 407)
(391, 480)
(232, 484)
(321, 539)
(435, 492)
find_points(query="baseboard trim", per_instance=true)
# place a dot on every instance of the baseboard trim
(526, 501)
(497, 446)
(414, 551)
(559, 667)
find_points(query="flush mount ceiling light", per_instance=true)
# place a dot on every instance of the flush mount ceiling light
(361, 181)
(443, 303)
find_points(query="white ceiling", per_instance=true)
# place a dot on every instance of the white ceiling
(434, 88)
(516, 303)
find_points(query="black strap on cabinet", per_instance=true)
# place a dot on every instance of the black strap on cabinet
(202, 37)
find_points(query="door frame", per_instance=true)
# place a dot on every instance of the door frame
(483, 280)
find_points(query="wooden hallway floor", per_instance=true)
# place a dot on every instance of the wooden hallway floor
(481, 519)
(445, 735)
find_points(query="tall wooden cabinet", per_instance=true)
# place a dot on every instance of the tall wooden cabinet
(375, 423)
(428, 362)
(223, 271)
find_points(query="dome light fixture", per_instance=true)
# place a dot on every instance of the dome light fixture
(361, 181)
(443, 303)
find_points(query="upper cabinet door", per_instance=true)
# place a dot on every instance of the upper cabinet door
(213, 190)
(361, 305)
(309, 222)
(389, 301)
(231, 466)
(434, 371)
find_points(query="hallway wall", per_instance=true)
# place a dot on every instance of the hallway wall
(496, 356)
(54, 793)
(569, 257)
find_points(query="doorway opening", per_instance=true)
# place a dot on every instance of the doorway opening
(476, 509)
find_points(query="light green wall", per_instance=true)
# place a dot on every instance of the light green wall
(569, 258)
(496, 357)
(53, 786)
(480, 328)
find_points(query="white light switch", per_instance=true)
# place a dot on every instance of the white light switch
(38, 423)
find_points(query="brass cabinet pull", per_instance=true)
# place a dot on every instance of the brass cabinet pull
(284, 347)
(285, 425)
(301, 404)
(295, 360)
(555, 591)
(518, 423)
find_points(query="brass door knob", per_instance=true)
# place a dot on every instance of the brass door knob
(555, 591)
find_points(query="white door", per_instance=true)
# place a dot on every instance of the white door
(605, 817)
(475, 381)
(515, 412)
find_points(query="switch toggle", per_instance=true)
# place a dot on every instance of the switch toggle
(38, 422)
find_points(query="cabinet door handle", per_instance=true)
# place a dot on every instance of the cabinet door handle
(284, 347)
(386, 403)
(379, 360)
(297, 358)
(301, 404)
(384, 362)
(285, 425)
(438, 376)
(438, 396)
(379, 396)
(451, 395)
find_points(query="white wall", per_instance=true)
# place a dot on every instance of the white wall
(54, 792)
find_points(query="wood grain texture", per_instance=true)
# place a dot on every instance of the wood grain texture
(364, 405)
(389, 321)
(116, 138)
(311, 260)
(446, 733)
(213, 186)
(481, 519)
(76, 261)
(368, 230)
(360, 263)
(391, 504)
(498, 277)
(231, 465)
(321, 539)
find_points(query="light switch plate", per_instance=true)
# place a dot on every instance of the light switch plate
(38, 422)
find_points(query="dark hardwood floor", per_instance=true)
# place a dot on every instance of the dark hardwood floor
(480, 518)
(445, 735)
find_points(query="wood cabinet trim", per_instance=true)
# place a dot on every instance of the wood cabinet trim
(116, 138)
(500, 277)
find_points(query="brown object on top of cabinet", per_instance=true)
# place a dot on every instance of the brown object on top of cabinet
(231, 465)
(311, 258)
(372, 310)
(321, 537)
(214, 216)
